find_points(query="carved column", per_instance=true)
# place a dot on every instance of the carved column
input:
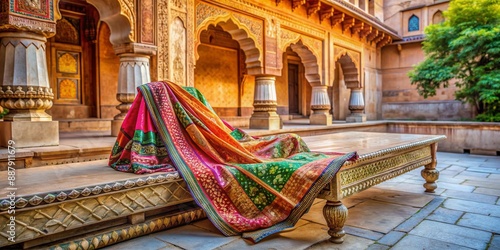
(320, 106)
(265, 104)
(356, 106)
(25, 89)
(133, 72)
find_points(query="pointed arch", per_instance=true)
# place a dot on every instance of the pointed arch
(240, 33)
(309, 60)
(351, 72)
(413, 23)
(437, 17)
(119, 17)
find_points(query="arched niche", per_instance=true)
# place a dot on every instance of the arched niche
(119, 17)
(241, 34)
(309, 60)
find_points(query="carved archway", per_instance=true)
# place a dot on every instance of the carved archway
(350, 71)
(241, 34)
(119, 16)
(309, 60)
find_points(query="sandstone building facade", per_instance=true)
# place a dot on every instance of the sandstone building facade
(258, 62)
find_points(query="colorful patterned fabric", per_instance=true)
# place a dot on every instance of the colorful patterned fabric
(246, 185)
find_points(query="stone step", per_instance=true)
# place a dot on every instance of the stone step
(53, 204)
(74, 147)
(80, 125)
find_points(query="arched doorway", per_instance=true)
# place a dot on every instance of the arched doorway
(293, 90)
(220, 73)
(226, 55)
(347, 73)
(71, 57)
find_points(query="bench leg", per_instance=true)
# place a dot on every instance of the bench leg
(430, 173)
(336, 215)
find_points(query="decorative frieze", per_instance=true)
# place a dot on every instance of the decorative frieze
(89, 191)
(65, 210)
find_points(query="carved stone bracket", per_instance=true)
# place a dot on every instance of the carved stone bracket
(337, 18)
(313, 7)
(348, 23)
(325, 13)
(297, 3)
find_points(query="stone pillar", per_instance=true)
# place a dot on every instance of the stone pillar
(356, 106)
(25, 91)
(133, 72)
(320, 106)
(265, 104)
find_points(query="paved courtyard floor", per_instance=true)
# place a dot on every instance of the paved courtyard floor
(464, 213)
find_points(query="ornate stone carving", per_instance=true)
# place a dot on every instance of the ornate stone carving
(272, 26)
(163, 39)
(128, 9)
(89, 191)
(287, 37)
(147, 21)
(118, 200)
(178, 51)
(25, 91)
(179, 4)
(255, 26)
(190, 53)
(129, 232)
(26, 103)
(205, 11)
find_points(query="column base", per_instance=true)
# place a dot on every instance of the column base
(320, 119)
(115, 127)
(265, 120)
(356, 118)
(29, 133)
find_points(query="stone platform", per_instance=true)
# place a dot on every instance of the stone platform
(463, 214)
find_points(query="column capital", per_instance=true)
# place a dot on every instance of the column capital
(135, 49)
(37, 17)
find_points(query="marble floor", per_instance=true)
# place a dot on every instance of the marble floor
(464, 213)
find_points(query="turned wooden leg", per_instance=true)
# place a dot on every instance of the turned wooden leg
(335, 214)
(430, 173)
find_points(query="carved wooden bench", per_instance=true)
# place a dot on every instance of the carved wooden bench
(382, 156)
(89, 205)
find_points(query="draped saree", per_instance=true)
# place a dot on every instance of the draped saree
(246, 185)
